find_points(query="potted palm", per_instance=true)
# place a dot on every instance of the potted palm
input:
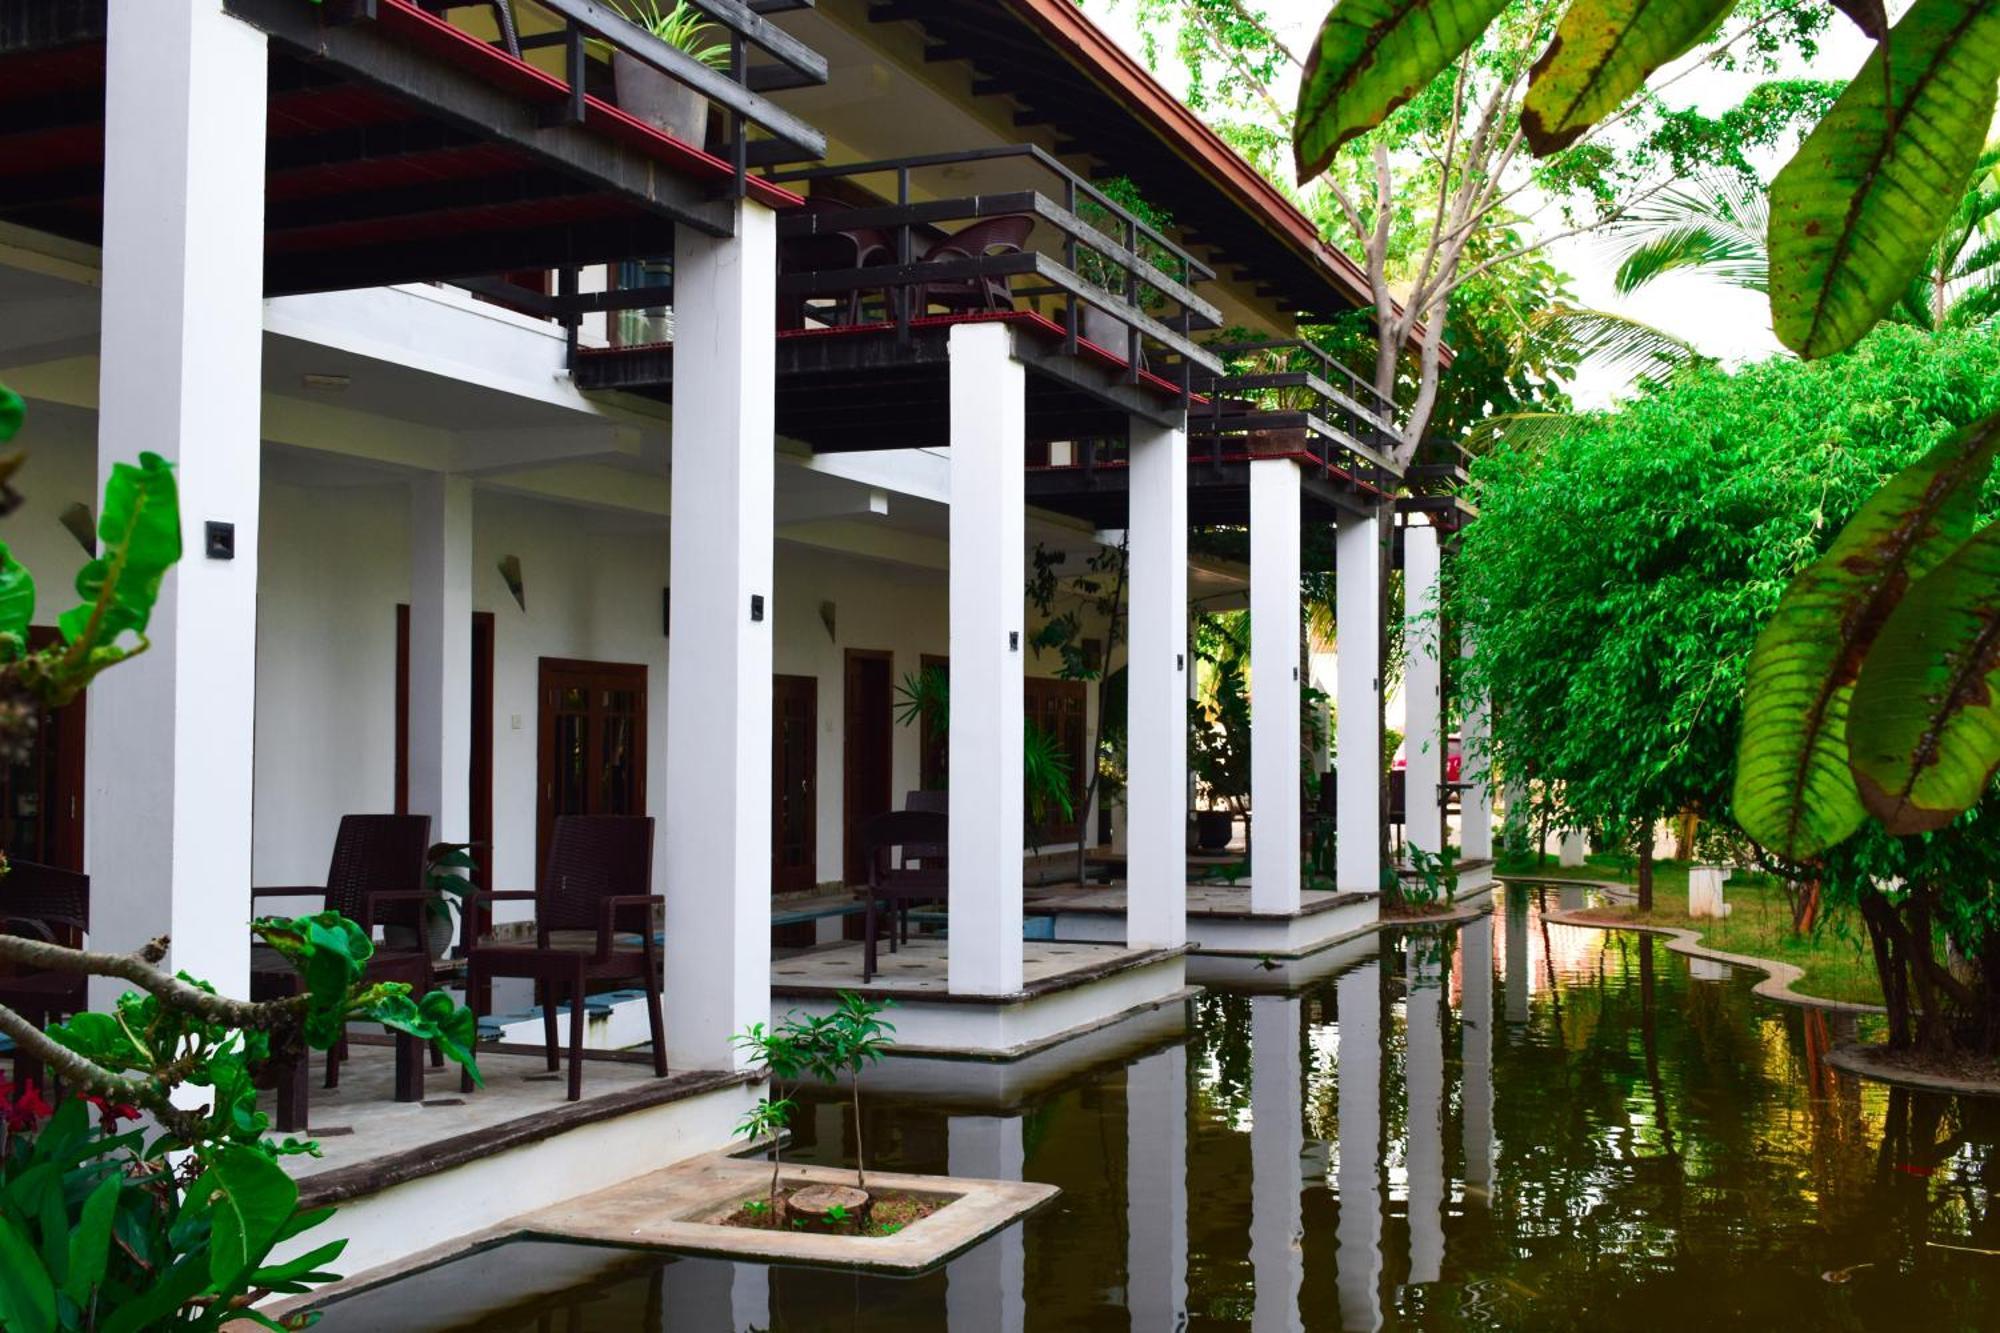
(654, 96)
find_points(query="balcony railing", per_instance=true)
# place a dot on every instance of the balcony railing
(903, 237)
(1288, 397)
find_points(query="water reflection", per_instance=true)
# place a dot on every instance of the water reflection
(1621, 1145)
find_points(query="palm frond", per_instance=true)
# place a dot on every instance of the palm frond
(1610, 340)
(1715, 223)
(1528, 432)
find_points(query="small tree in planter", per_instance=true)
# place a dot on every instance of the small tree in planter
(658, 97)
(778, 1052)
(846, 1041)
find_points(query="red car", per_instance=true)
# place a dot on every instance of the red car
(1453, 762)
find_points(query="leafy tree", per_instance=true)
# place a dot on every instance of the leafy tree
(1620, 570)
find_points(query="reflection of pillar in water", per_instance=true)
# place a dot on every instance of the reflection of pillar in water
(750, 1298)
(1424, 1077)
(983, 1288)
(700, 1295)
(1277, 1145)
(1358, 1002)
(1156, 1190)
(1517, 955)
(1572, 897)
(1475, 1030)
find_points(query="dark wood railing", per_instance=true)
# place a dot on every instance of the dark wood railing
(1148, 294)
(1289, 394)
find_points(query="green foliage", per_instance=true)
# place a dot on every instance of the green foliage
(1371, 57)
(1219, 717)
(925, 696)
(681, 26)
(1714, 224)
(12, 411)
(823, 1047)
(1602, 53)
(1923, 728)
(1855, 211)
(1621, 570)
(1794, 791)
(448, 868)
(1433, 876)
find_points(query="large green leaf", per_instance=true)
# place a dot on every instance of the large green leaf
(1924, 724)
(1795, 792)
(17, 604)
(250, 1199)
(90, 1241)
(1370, 58)
(27, 1297)
(1602, 53)
(1855, 211)
(141, 532)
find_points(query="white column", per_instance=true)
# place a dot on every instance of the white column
(749, 1299)
(1475, 802)
(1156, 1206)
(1475, 1030)
(441, 653)
(169, 759)
(988, 577)
(1275, 872)
(1277, 1143)
(1358, 1096)
(1358, 696)
(716, 867)
(1423, 1073)
(1423, 690)
(1157, 671)
(985, 1289)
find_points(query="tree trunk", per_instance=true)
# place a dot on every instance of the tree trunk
(1646, 871)
(860, 1153)
(1805, 911)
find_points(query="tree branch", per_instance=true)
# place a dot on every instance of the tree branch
(138, 968)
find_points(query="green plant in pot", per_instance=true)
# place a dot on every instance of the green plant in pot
(925, 697)
(448, 868)
(1101, 271)
(655, 96)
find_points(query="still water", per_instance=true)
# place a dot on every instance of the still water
(1506, 1125)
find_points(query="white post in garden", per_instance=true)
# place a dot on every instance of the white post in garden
(1276, 874)
(1423, 690)
(715, 867)
(1359, 1178)
(1156, 691)
(169, 759)
(1423, 1154)
(985, 1289)
(1156, 1204)
(989, 408)
(1358, 703)
(1475, 1031)
(1277, 1219)
(441, 653)
(1475, 801)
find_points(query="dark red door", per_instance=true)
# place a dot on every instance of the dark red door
(794, 787)
(866, 751)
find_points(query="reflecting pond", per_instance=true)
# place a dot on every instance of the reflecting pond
(1509, 1124)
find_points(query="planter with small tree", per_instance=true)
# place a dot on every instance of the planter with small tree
(654, 95)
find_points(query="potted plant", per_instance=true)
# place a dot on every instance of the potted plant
(1098, 326)
(655, 96)
(448, 868)
(1219, 738)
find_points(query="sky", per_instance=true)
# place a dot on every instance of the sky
(1722, 321)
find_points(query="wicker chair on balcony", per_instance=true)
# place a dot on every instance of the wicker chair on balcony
(920, 874)
(1006, 234)
(593, 927)
(43, 903)
(376, 879)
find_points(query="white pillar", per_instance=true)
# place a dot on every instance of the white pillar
(988, 576)
(441, 653)
(1275, 872)
(1156, 1206)
(169, 759)
(1475, 801)
(1157, 672)
(1277, 1144)
(985, 1288)
(1358, 1098)
(1423, 690)
(1475, 1031)
(716, 867)
(1423, 1074)
(1358, 703)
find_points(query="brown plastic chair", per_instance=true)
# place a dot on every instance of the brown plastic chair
(923, 875)
(43, 903)
(593, 926)
(376, 879)
(1003, 235)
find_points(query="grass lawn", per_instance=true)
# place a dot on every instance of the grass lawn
(1835, 958)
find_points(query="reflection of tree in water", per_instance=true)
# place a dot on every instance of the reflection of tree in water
(1219, 1053)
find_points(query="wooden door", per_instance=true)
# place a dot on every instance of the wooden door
(592, 742)
(41, 795)
(866, 751)
(794, 784)
(1057, 707)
